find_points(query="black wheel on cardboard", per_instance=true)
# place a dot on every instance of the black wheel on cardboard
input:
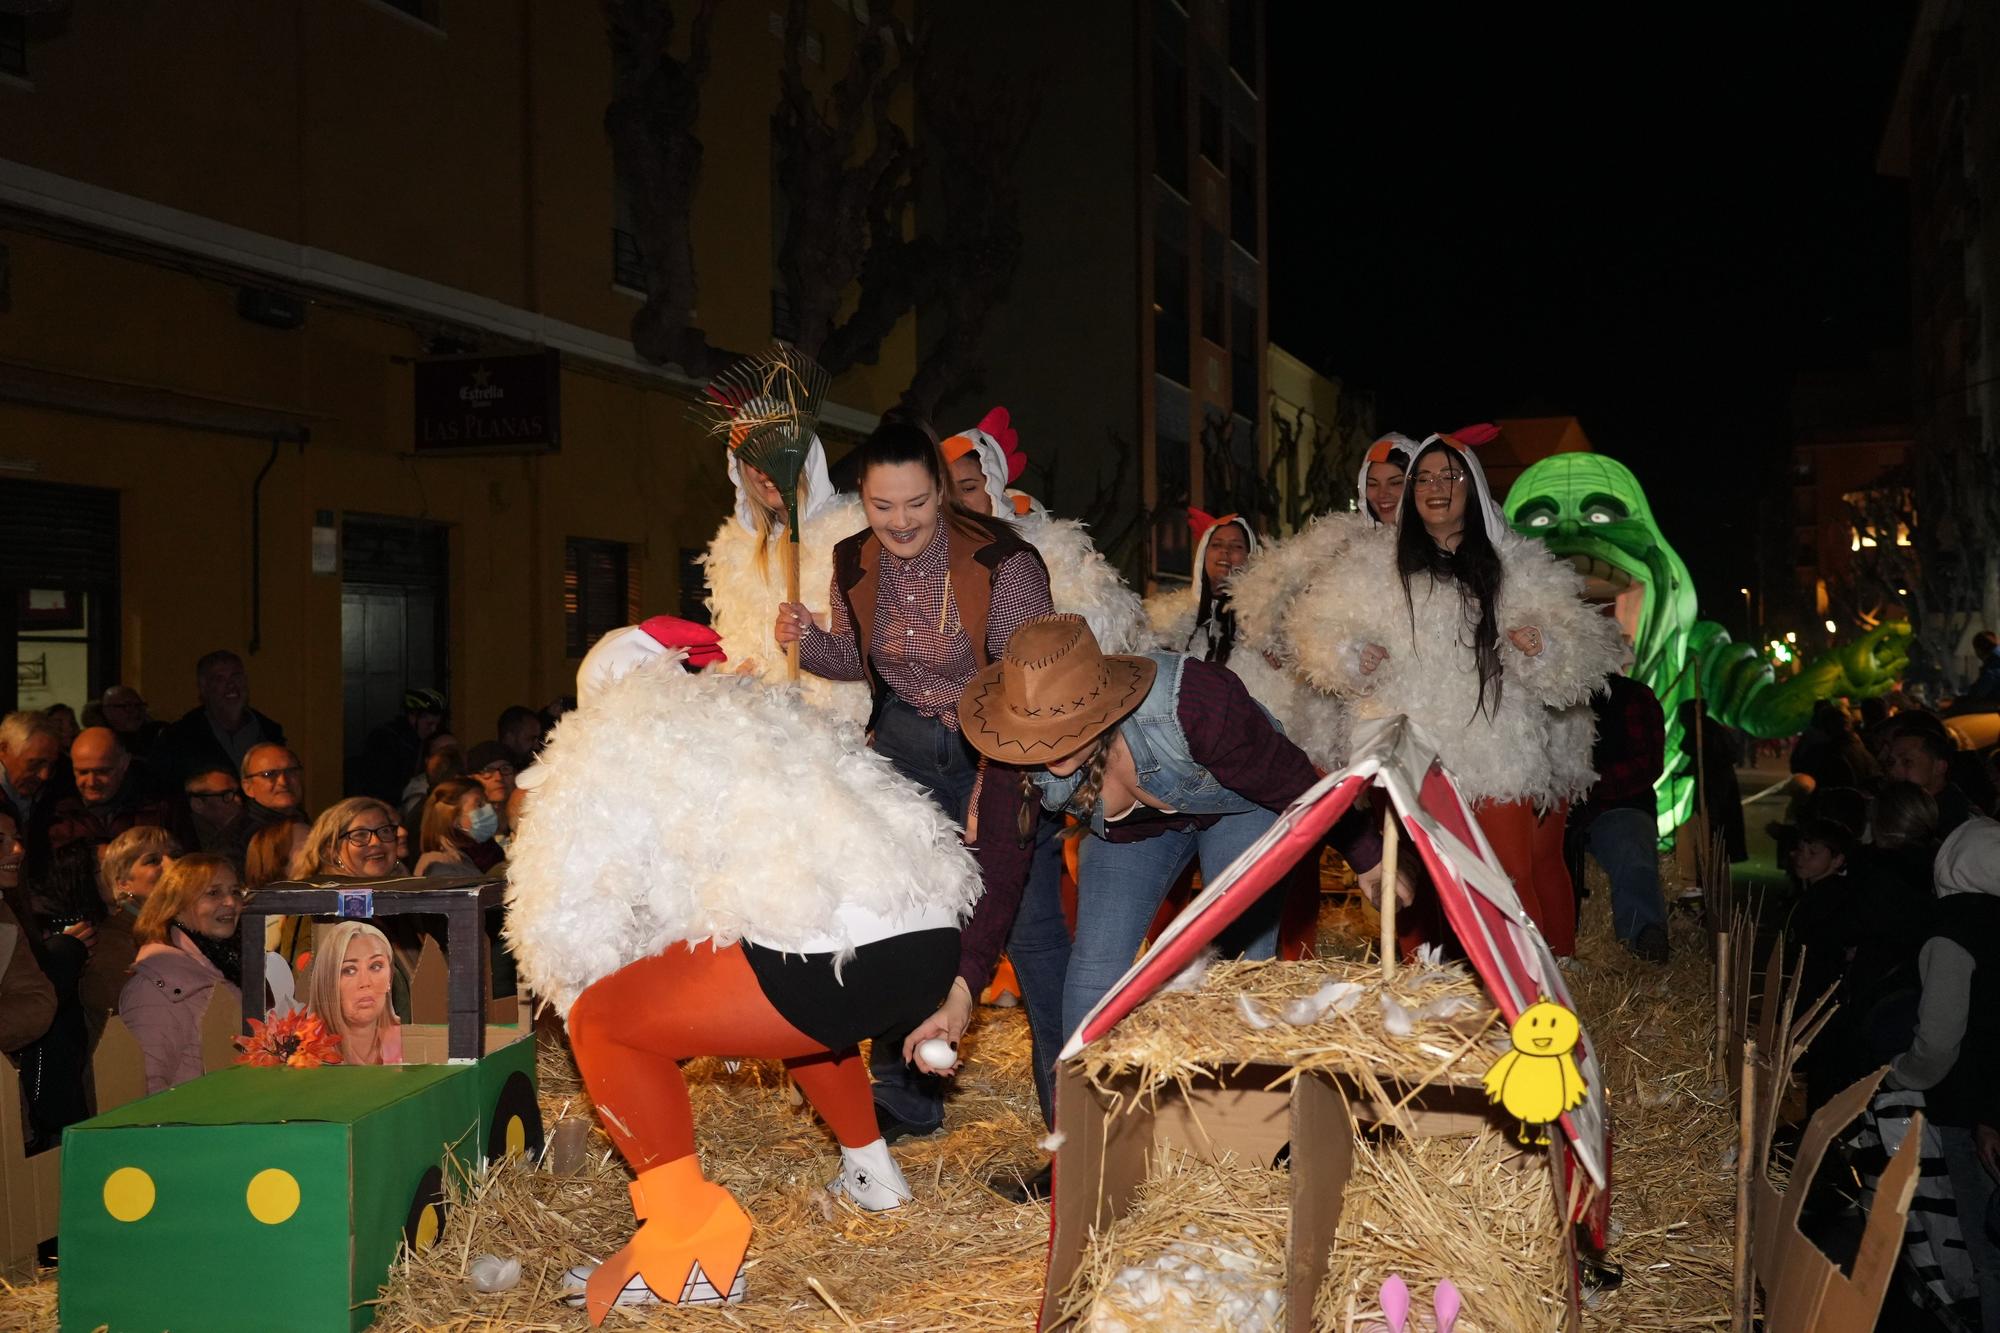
(426, 1220)
(516, 1124)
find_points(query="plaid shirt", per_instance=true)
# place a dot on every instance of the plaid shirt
(919, 647)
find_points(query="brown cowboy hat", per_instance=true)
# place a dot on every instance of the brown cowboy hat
(1051, 693)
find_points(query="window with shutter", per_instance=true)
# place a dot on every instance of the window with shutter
(600, 591)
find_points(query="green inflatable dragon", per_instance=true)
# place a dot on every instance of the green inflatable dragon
(1592, 511)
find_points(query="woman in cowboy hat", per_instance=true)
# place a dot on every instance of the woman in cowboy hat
(1163, 758)
(1485, 641)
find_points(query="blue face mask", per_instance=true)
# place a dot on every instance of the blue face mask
(485, 823)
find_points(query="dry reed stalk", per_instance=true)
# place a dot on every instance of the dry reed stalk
(1673, 1124)
(1472, 1208)
(1191, 1202)
(1182, 1038)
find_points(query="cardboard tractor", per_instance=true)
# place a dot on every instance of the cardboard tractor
(260, 1198)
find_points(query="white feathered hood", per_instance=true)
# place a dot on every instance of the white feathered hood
(1468, 457)
(1382, 451)
(1969, 861)
(677, 807)
(819, 488)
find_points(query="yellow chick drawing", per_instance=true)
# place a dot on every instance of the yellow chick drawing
(1538, 1080)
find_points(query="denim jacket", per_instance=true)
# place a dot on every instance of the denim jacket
(1166, 770)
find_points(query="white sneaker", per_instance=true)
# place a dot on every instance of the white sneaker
(871, 1178)
(697, 1290)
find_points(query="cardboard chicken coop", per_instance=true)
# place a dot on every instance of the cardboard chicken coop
(1337, 1104)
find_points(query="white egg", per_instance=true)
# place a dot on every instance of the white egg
(937, 1053)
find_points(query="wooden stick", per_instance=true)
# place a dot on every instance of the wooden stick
(1391, 834)
(1722, 1005)
(1746, 1156)
(792, 579)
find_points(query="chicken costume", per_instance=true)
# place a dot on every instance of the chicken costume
(746, 579)
(1519, 757)
(1081, 580)
(655, 901)
(1309, 720)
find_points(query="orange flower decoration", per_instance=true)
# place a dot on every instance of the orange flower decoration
(295, 1040)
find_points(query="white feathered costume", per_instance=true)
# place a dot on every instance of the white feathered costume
(1310, 720)
(671, 806)
(1081, 581)
(1262, 594)
(1517, 750)
(744, 593)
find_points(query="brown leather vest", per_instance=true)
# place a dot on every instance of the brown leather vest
(857, 567)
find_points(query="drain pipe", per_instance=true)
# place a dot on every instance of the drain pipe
(257, 549)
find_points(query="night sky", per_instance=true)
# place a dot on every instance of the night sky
(1537, 213)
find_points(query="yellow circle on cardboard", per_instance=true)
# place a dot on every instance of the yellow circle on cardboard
(428, 1226)
(517, 1136)
(128, 1194)
(273, 1196)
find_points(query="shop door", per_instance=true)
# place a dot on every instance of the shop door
(394, 621)
(58, 593)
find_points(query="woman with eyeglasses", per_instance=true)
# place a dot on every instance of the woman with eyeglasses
(355, 837)
(1485, 641)
(358, 838)
(188, 957)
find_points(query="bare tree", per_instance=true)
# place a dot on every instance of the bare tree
(655, 105)
(848, 172)
(1232, 483)
(852, 178)
(1118, 520)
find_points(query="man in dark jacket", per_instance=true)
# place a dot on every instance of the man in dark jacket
(110, 797)
(395, 750)
(1618, 821)
(224, 727)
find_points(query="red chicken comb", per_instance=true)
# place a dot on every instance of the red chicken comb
(1473, 436)
(998, 424)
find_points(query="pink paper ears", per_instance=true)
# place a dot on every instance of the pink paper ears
(1445, 1305)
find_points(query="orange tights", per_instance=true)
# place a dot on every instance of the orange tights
(629, 1030)
(1531, 852)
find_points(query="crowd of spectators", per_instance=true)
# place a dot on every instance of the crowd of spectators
(1894, 853)
(128, 847)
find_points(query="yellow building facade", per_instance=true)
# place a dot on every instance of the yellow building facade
(230, 233)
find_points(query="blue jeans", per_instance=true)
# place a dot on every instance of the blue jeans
(1120, 886)
(1039, 949)
(1625, 843)
(936, 758)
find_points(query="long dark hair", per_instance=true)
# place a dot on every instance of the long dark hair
(1214, 605)
(901, 440)
(1474, 567)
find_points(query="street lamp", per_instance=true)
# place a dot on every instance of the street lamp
(1749, 629)
(1832, 628)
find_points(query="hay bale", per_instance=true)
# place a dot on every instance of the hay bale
(1202, 1246)
(1180, 1037)
(1476, 1209)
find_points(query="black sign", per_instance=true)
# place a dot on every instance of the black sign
(474, 404)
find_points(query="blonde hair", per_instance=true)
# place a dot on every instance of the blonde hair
(440, 815)
(131, 847)
(323, 977)
(181, 886)
(320, 854)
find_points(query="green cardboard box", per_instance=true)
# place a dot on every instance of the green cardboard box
(261, 1199)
